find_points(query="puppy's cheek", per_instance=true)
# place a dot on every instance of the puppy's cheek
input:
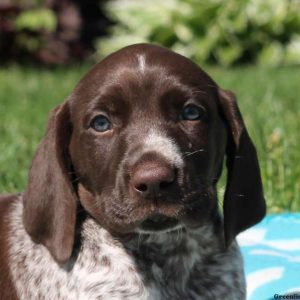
(201, 209)
(116, 224)
(115, 216)
(85, 195)
(195, 217)
(107, 211)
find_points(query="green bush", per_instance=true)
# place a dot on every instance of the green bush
(212, 31)
(35, 20)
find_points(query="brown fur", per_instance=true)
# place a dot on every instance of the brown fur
(7, 289)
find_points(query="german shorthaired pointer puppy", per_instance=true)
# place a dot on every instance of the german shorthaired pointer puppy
(121, 201)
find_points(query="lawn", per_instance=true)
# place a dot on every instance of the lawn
(268, 99)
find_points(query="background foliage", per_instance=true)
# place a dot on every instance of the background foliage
(50, 32)
(215, 31)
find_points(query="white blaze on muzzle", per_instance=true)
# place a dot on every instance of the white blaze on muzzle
(164, 146)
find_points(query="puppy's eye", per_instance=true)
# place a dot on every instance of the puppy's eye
(193, 112)
(101, 123)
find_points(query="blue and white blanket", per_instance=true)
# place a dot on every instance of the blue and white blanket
(271, 252)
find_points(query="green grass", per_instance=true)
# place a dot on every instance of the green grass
(26, 97)
(268, 99)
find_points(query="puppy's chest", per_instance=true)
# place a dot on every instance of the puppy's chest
(104, 269)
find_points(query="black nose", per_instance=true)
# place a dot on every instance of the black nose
(152, 179)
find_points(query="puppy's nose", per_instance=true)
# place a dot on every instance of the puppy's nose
(153, 179)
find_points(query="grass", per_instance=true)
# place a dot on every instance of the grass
(26, 97)
(268, 99)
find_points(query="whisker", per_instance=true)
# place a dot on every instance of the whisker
(75, 179)
(191, 153)
(139, 240)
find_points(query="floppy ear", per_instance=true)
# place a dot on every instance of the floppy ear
(49, 200)
(244, 203)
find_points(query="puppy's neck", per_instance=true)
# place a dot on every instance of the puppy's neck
(157, 245)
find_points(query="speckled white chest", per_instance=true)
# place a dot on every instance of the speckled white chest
(105, 269)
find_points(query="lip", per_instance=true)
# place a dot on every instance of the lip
(158, 222)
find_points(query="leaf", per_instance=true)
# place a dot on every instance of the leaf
(271, 54)
(35, 20)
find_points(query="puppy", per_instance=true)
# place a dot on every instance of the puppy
(121, 201)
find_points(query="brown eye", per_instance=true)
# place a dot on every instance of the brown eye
(193, 112)
(101, 123)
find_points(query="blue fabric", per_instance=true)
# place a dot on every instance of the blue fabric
(271, 252)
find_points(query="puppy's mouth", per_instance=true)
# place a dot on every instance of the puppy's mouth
(158, 223)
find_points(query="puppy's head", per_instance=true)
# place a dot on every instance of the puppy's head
(139, 145)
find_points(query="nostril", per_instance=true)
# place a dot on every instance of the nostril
(141, 187)
(165, 184)
(168, 180)
(152, 178)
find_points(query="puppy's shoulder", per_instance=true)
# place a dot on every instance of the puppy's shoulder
(6, 205)
(7, 289)
(7, 199)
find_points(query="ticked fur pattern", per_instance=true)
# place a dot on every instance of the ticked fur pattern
(170, 265)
